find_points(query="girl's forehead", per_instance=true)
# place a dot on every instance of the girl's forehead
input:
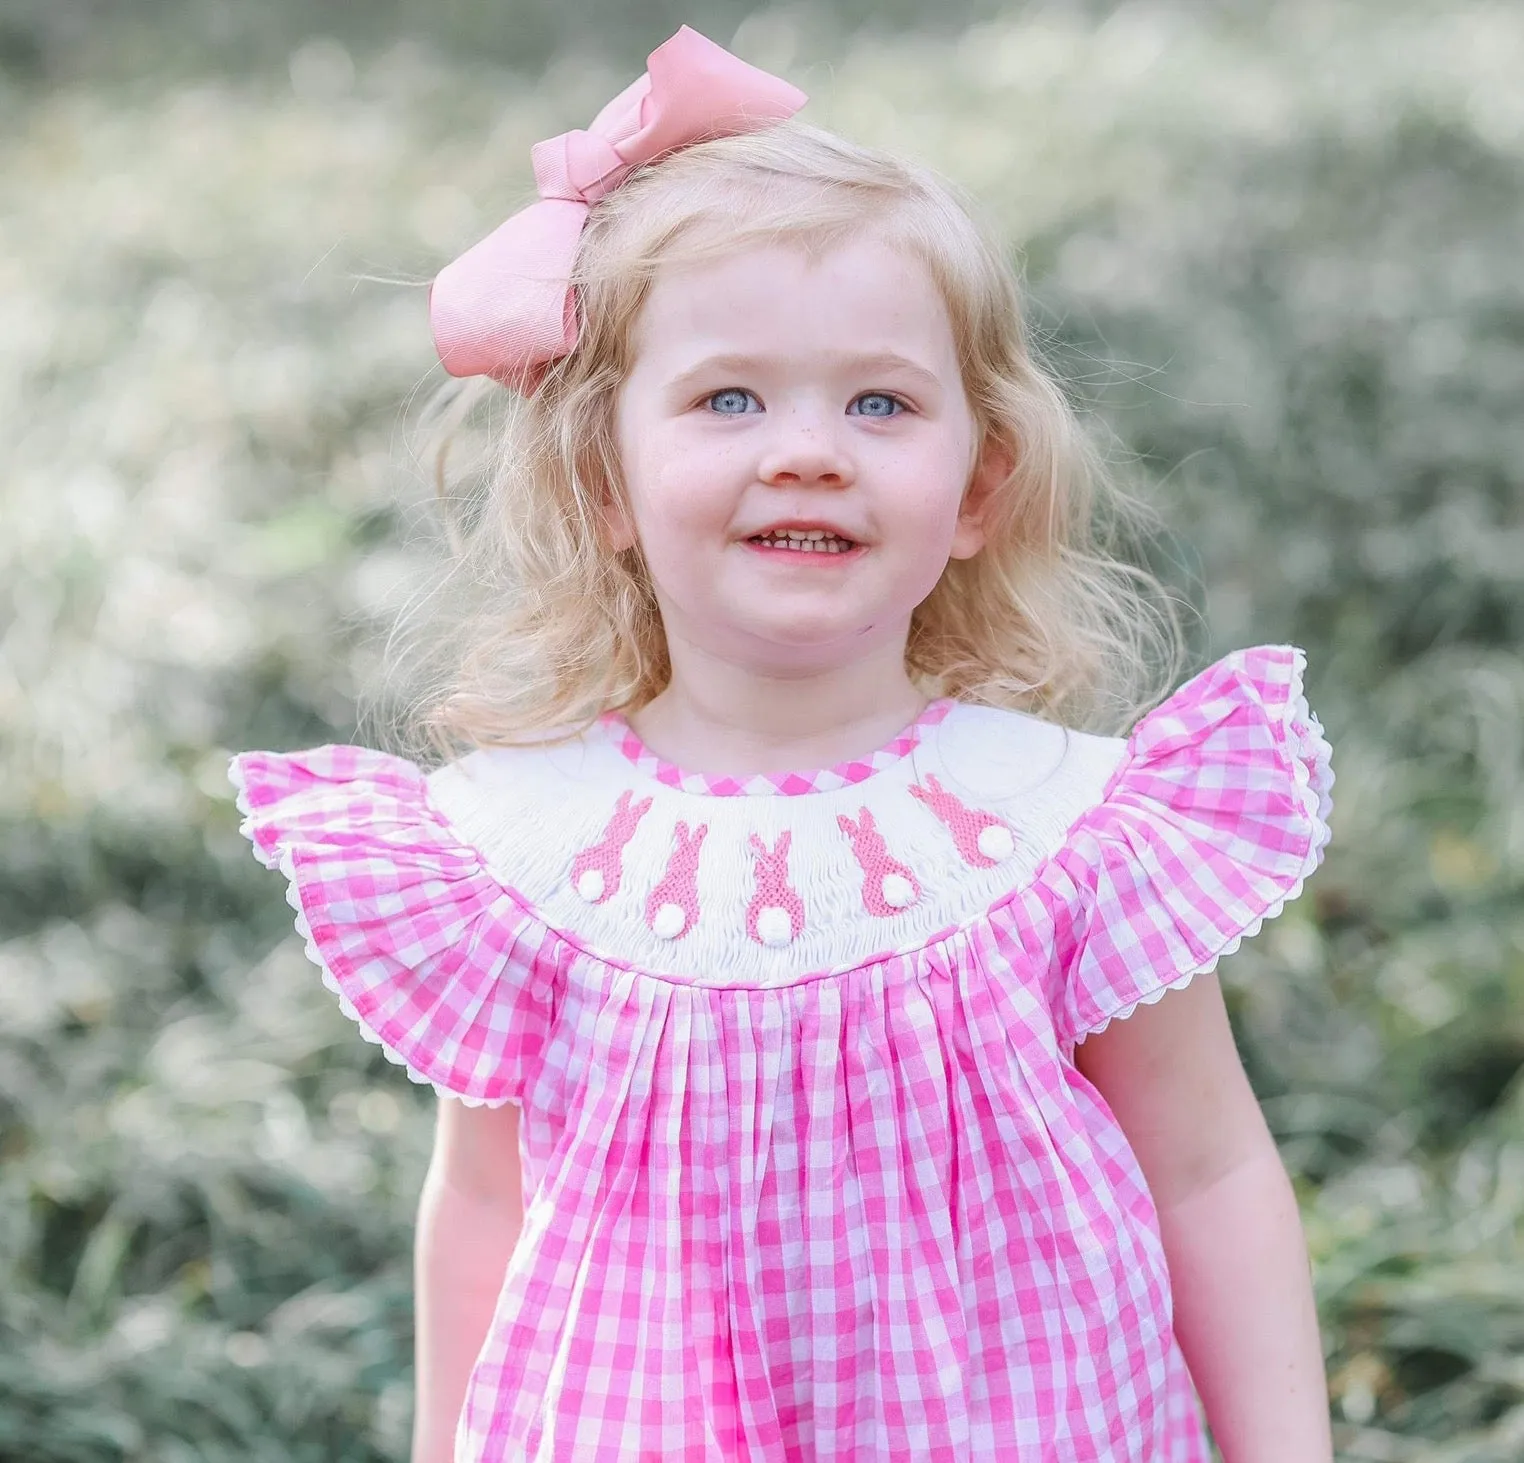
(863, 292)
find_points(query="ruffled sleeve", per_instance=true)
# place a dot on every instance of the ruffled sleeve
(429, 955)
(1216, 814)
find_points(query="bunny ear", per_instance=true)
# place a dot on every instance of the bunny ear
(758, 845)
(784, 839)
(643, 806)
(846, 825)
(869, 825)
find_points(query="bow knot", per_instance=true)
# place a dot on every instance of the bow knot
(505, 307)
(577, 167)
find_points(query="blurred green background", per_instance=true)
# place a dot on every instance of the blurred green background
(1274, 252)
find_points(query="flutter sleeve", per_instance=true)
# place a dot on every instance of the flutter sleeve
(427, 953)
(1216, 814)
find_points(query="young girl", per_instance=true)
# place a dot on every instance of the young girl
(791, 970)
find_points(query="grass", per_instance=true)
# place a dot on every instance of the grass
(1276, 263)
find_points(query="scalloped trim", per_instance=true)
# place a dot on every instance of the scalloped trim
(1205, 968)
(284, 860)
(1311, 762)
(1312, 768)
(1151, 999)
(246, 808)
(240, 787)
(287, 865)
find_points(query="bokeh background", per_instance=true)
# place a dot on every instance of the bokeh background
(1274, 252)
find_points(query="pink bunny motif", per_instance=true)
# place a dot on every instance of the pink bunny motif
(672, 907)
(776, 913)
(888, 886)
(596, 871)
(982, 839)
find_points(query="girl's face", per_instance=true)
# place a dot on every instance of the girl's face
(774, 394)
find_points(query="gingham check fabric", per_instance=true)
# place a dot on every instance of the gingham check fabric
(432, 958)
(1208, 828)
(871, 1215)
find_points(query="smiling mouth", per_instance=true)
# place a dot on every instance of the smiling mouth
(804, 541)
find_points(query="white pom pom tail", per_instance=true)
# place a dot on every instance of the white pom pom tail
(996, 842)
(774, 927)
(671, 920)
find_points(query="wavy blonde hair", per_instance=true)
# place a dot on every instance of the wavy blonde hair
(537, 626)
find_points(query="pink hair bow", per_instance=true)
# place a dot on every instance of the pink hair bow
(505, 307)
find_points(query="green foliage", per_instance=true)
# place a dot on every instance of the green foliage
(1277, 263)
(52, 40)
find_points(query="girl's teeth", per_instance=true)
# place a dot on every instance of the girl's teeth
(814, 541)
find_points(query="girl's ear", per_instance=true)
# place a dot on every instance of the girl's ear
(995, 465)
(617, 523)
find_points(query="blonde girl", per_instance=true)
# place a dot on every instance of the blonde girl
(822, 1009)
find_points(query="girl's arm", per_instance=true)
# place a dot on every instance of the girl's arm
(469, 1217)
(1244, 1311)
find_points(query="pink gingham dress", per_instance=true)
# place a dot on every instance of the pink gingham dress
(809, 1171)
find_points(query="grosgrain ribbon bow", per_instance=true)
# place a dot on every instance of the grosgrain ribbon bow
(505, 307)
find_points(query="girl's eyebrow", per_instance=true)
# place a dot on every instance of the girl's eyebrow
(847, 361)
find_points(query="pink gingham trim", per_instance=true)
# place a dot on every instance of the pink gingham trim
(788, 784)
(428, 955)
(1216, 815)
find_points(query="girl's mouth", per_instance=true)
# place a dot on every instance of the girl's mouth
(799, 542)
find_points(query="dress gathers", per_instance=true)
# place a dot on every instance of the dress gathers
(809, 1171)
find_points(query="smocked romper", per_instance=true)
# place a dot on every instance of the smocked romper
(809, 1171)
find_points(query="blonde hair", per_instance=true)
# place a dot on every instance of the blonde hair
(540, 627)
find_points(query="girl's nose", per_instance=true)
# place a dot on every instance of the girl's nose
(806, 452)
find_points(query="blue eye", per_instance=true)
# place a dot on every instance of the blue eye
(731, 402)
(878, 404)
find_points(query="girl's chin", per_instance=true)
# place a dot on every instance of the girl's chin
(817, 641)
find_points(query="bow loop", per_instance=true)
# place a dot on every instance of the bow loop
(699, 91)
(505, 307)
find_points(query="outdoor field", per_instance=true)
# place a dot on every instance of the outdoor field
(1272, 251)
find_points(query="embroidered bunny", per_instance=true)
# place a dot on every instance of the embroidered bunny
(888, 886)
(982, 839)
(596, 871)
(775, 915)
(672, 907)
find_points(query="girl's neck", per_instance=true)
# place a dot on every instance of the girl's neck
(728, 720)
